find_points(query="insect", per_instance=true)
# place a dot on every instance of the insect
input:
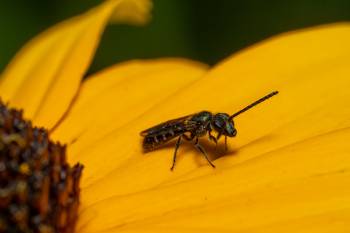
(194, 126)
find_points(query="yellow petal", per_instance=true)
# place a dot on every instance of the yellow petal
(120, 94)
(289, 161)
(133, 12)
(45, 75)
(286, 186)
(131, 89)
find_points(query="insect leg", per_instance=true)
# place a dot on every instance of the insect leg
(201, 149)
(212, 138)
(176, 147)
(218, 136)
(225, 143)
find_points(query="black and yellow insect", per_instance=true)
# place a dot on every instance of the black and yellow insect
(192, 127)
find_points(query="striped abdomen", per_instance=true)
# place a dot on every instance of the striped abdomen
(161, 134)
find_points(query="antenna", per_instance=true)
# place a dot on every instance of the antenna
(255, 103)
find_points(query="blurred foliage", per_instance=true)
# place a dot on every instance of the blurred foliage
(199, 30)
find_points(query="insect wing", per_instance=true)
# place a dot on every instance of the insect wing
(178, 123)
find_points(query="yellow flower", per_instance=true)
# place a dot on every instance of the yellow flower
(288, 169)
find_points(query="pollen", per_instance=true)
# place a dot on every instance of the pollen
(39, 190)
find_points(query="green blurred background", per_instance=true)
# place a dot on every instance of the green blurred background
(205, 30)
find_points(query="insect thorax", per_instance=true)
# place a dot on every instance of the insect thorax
(202, 117)
(203, 120)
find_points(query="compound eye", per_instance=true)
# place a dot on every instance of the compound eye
(230, 130)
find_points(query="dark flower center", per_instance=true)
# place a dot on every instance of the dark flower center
(39, 191)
